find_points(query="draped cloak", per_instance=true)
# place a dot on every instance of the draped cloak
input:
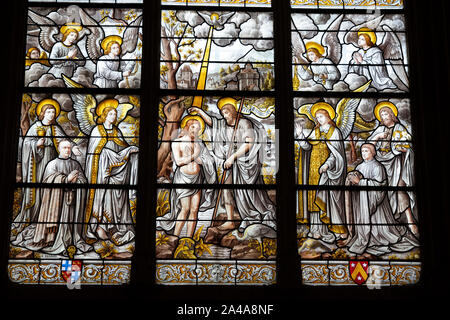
(373, 67)
(109, 71)
(61, 209)
(325, 146)
(207, 174)
(399, 167)
(376, 230)
(34, 160)
(109, 161)
(61, 64)
(254, 206)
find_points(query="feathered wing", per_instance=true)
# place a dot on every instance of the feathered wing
(346, 112)
(393, 55)
(206, 17)
(94, 37)
(122, 110)
(351, 37)
(298, 46)
(331, 41)
(306, 110)
(84, 105)
(131, 36)
(48, 30)
(223, 18)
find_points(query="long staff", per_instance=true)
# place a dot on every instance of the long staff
(222, 180)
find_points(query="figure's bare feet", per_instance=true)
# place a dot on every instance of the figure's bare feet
(226, 226)
(24, 254)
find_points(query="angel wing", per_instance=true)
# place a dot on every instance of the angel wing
(393, 55)
(131, 36)
(84, 106)
(223, 18)
(306, 110)
(351, 37)
(331, 41)
(122, 111)
(298, 48)
(346, 112)
(49, 31)
(94, 37)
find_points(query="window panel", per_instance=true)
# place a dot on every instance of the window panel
(60, 230)
(347, 4)
(213, 139)
(98, 48)
(220, 3)
(331, 52)
(217, 50)
(196, 224)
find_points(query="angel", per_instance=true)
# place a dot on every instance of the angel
(108, 52)
(318, 63)
(325, 164)
(65, 55)
(110, 160)
(34, 55)
(382, 63)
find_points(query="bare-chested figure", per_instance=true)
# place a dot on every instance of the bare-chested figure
(195, 166)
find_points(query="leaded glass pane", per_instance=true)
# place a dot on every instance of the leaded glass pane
(339, 52)
(220, 3)
(96, 48)
(217, 50)
(347, 4)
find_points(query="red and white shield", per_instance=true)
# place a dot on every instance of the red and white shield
(71, 270)
(358, 271)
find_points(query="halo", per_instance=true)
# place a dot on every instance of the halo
(370, 33)
(227, 100)
(45, 102)
(112, 103)
(190, 117)
(109, 39)
(75, 26)
(323, 106)
(385, 104)
(315, 45)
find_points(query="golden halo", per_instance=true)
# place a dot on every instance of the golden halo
(370, 33)
(109, 39)
(227, 100)
(75, 26)
(45, 102)
(385, 104)
(112, 103)
(323, 106)
(315, 45)
(198, 118)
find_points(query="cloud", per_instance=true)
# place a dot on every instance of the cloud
(64, 101)
(355, 80)
(34, 73)
(305, 25)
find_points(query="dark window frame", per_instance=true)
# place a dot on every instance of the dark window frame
(429, 83)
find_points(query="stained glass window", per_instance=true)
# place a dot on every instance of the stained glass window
(357, 216)
(74, 212)
(216, 202)
(222, 193)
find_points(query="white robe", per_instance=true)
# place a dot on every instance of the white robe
(61, 64)
(254, 206)
(331, 216)
(376, 231)
(373, 68)
(110, 161)
(34, 160)
(110, 71)
(399, 166)
(322, 66)
(61, 208)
